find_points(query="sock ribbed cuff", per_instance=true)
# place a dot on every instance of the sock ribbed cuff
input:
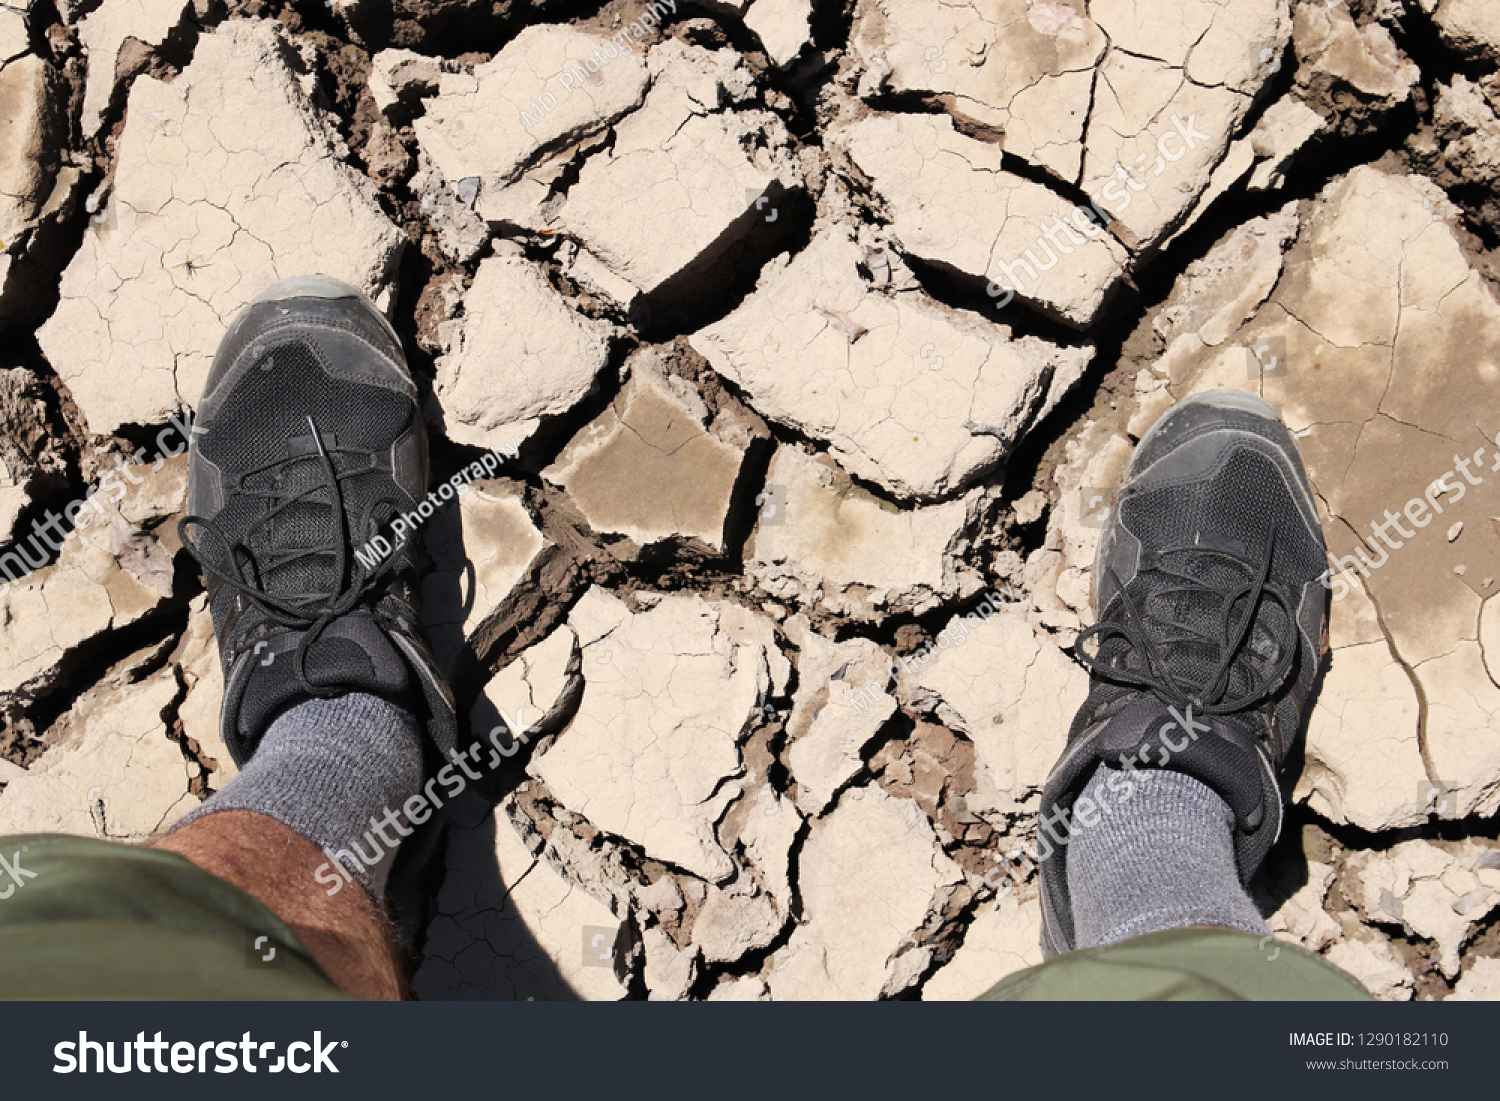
(1160, 858)
(337, 771)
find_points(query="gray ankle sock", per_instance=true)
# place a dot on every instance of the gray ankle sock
(331, 769)
(1163, 858)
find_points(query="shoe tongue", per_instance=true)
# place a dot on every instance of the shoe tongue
(1213, 749)
(1169, 606)
(353, 653)
(300, 523)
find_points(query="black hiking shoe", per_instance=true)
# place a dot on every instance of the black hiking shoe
(307, 442)
(1213, 622)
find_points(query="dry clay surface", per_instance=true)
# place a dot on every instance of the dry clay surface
(816, 336)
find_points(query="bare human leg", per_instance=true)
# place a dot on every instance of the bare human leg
(346, 933)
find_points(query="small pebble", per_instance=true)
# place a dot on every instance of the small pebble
(1462, 906)
(1390, 904)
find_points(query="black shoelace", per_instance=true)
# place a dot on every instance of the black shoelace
(1211, 697)
(310, 612)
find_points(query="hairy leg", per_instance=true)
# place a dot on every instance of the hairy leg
(346, 933)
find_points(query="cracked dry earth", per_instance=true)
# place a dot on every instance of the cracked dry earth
(735, 292)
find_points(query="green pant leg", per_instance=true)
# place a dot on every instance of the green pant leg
(81, 918)
(1183, 965)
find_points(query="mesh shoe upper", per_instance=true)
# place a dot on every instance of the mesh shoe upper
(1210, 617)
(1211, 627)
(308, 442)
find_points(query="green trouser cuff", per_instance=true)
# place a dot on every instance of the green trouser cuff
(1218, 965)
(84, 919)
